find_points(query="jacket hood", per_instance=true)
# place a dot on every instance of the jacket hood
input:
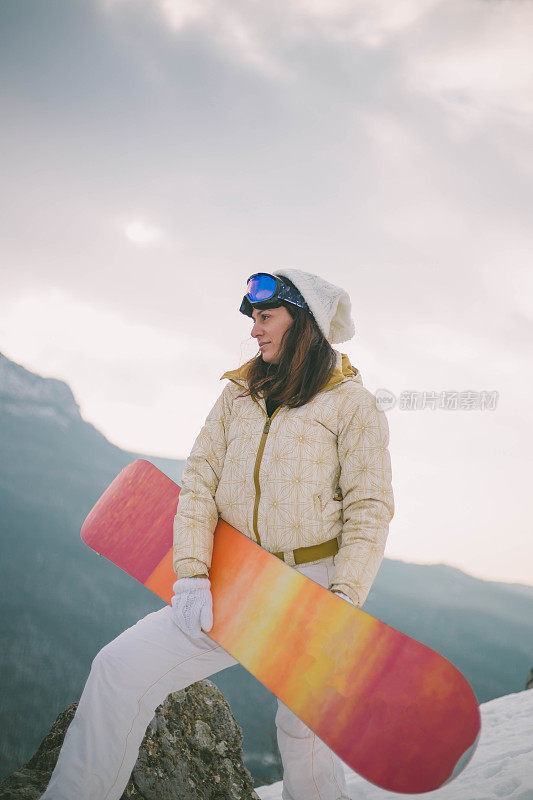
(343, 369)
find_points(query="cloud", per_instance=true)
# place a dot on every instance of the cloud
(70, 325)
(141, 233)
(370, 22)
(180, 13)
(385, 145)
(475, 58)
(472, 55)
(236, 29)
(143, 387)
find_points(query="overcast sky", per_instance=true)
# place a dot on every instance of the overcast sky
(154, 154)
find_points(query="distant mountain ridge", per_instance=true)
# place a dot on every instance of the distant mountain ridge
(60, 602)
(24, 393)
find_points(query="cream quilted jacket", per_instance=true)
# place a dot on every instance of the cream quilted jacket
(302, 477)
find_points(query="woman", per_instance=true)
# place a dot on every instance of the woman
(294, 455)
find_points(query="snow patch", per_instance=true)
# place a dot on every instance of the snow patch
(501, 768)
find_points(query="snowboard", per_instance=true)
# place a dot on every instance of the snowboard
(393, 710)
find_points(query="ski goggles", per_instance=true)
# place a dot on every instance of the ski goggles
(268, 291)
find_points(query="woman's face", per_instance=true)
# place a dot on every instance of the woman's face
(269, 326)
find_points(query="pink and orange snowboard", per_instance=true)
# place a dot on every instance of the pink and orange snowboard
(394, 710)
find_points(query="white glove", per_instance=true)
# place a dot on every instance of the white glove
(192, 605)
(344, 597)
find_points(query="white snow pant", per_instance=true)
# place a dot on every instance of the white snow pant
(132, 675)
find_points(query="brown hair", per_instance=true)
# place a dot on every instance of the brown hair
(306, 363)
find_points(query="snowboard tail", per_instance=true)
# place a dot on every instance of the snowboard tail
(394, 710)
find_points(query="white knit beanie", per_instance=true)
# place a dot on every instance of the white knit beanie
(330, 305)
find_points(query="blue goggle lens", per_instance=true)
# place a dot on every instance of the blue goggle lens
(261, 287)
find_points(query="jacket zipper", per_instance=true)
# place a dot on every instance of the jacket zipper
(256, 471)
(260, 455)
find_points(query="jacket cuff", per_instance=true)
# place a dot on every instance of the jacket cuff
(347, 590)
(343, 596)
(190, 568)
(190, 584)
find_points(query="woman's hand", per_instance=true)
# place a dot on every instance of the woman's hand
(192, 605)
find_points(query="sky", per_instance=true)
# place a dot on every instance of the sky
(155, 154)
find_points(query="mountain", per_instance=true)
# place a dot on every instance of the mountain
(60, 602)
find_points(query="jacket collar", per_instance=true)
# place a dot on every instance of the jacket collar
(343, 369)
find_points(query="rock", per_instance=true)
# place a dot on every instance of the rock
(192, 750)
(529, 682)
(31, 780)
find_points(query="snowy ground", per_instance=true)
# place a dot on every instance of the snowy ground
(501, 768)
